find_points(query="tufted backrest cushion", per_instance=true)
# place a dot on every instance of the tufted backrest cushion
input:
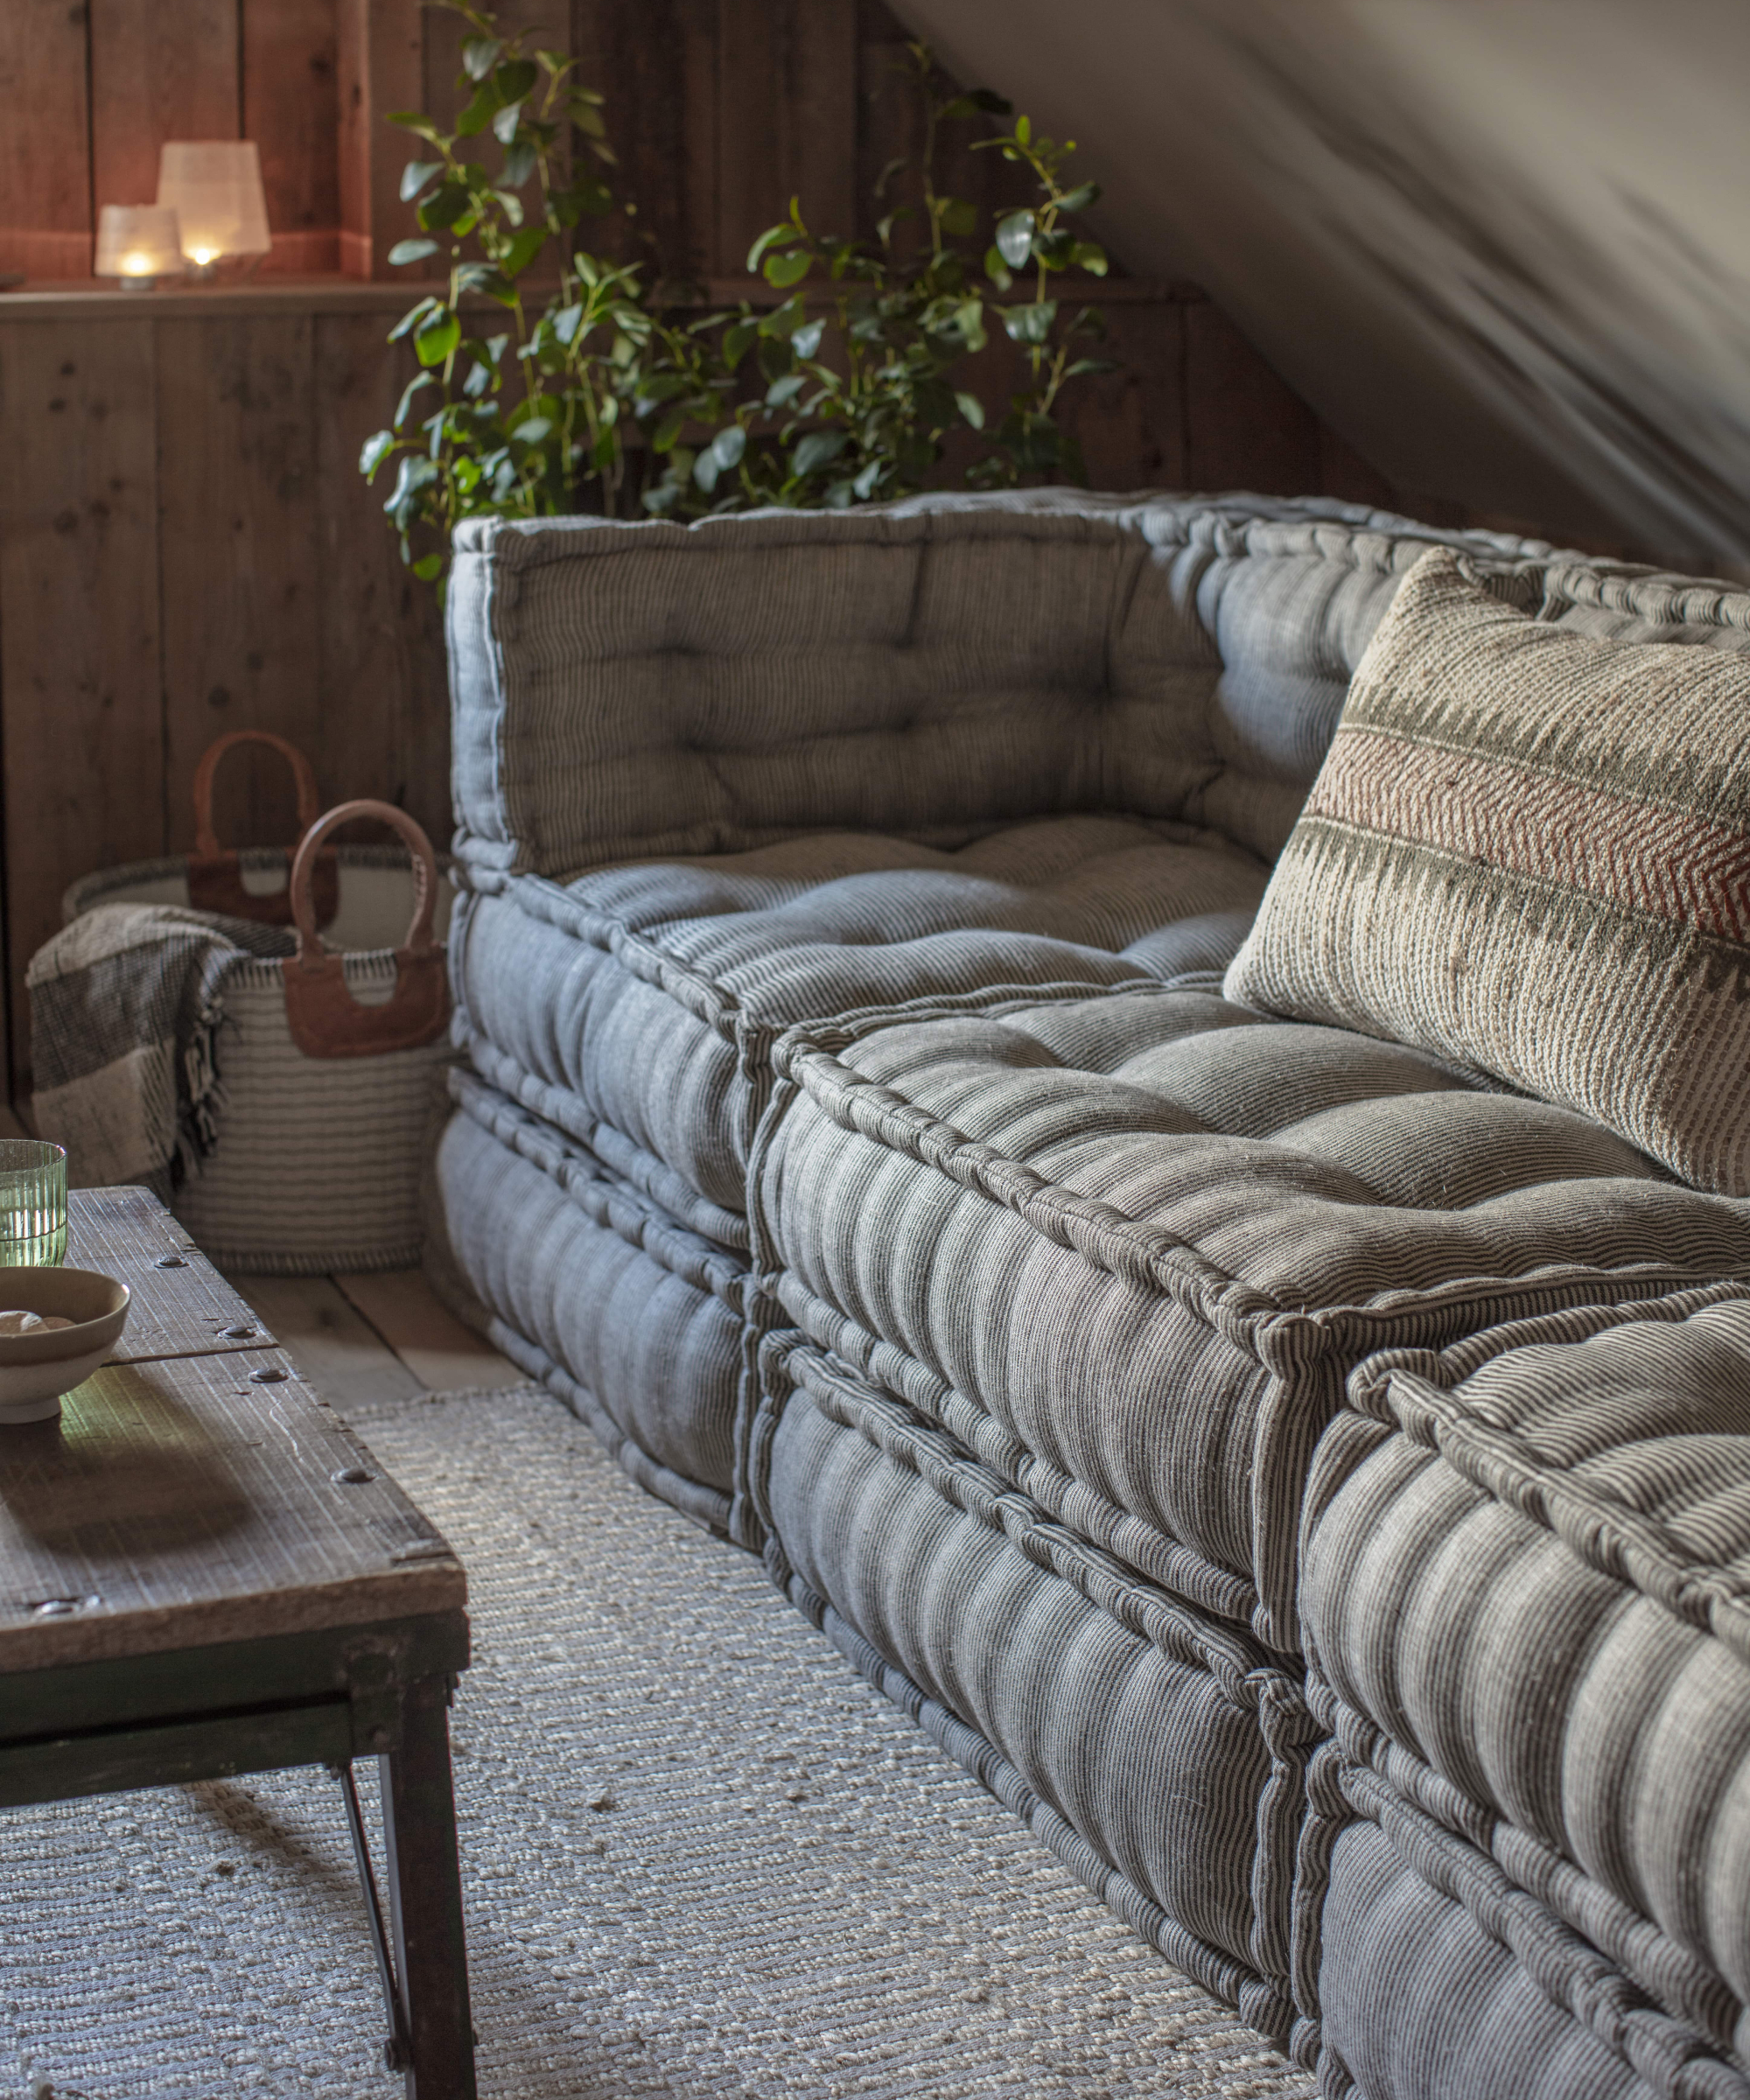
(935, 669)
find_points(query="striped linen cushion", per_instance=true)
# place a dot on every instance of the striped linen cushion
(1529, 851)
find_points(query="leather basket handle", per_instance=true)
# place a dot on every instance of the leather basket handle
(326, 1020)
(215, 882)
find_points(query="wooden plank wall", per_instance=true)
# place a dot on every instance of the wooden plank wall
(186, 547)
(185, 544)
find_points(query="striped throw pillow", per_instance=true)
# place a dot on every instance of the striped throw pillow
(1529, 851)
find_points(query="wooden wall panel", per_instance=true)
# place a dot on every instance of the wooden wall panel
(657, 66)
(786, 118)
(291, 108)
(45, 221)
(241, 599)
(157, 73)
(380, 48)
(383, 691)
(79, 618)
(1244, 428)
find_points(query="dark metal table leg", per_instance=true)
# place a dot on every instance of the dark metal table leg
(425, 1897)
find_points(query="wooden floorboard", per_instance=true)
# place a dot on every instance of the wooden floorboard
(333, 1345)
(428, 1338)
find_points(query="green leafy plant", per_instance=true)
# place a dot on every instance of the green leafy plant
(862, 383)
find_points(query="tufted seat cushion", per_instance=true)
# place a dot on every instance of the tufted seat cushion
(1126, 1250)
(644, 996)
(1526, 1586)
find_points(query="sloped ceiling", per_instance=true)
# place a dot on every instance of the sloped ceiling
(1502, 246)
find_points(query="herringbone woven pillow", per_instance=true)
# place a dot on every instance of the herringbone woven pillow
(1529, 851)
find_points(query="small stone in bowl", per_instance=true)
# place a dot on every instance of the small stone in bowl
(31, 1323)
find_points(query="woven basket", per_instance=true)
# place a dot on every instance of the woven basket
(332, 1062)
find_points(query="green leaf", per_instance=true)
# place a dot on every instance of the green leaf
(663, 439)
(404, 252)
(1024, 130)
(444, 207)
(1090, 256)
(519, 162)
(567, 321)
(737, 341)
(782, 392)
(1015, 238)
(817, 449)
(522, 249)
(997, 270)
(727, 447)
(969, 317)
(1078, 199)
(429, 567)
(783, 270)
(972, 408)
(867, 482)
(412, 317)
(1091, 364)
(480, 55)
(417, 385)
(1032, 323)
(706, 470)
(415, 121)
(533, 428)
(480, 112)
(413, 473)
(959, 217)
(807, 339)
(375, 450)
(504, 124)
(415, 175)
(437, 336)
(516, 79)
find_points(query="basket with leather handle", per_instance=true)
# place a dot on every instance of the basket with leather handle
(326, 1020)
(215, 874)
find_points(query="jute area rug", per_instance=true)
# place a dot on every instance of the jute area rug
(702, 1857)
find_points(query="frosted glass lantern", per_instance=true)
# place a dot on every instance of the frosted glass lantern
(138, 243)
(215, 188)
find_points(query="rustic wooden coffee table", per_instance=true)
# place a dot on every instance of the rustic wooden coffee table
(203, 1572)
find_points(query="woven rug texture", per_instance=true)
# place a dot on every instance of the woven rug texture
(702, 1857)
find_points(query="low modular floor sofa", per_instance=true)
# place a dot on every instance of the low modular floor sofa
(1143, 1095)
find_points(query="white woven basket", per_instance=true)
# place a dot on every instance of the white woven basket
(317, 1162)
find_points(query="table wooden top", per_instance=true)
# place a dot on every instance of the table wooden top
(196, 1489)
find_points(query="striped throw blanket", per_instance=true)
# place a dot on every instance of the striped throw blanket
(126, 1007)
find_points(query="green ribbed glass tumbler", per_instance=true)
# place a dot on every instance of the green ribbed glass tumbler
(33, 1204)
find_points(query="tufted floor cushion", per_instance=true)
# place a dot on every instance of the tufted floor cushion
(1159, 1753)
(577, 1275)
(644, 996)
(1526, 1588)
(1125, 1250)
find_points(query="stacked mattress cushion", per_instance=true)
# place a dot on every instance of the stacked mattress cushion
(1527, 1598)
(1069, 1290)
(714, 782)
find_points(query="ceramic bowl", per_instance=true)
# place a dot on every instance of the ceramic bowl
(36, 1369)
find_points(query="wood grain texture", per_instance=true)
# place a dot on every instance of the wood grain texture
(332, 1343)
(46, 210)
(291, 109)
(380, 67)
(178, 1503)
(157, 73)
(242, 594)
(1244, 427)
(79, 621)
(786, 118)
(186, 1311)
(384, 699)
(445, 1355)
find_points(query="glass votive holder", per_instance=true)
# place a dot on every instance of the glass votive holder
(33, 1204)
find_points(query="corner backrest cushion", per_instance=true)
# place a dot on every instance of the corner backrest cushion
(935, 669)
(1529, 851)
